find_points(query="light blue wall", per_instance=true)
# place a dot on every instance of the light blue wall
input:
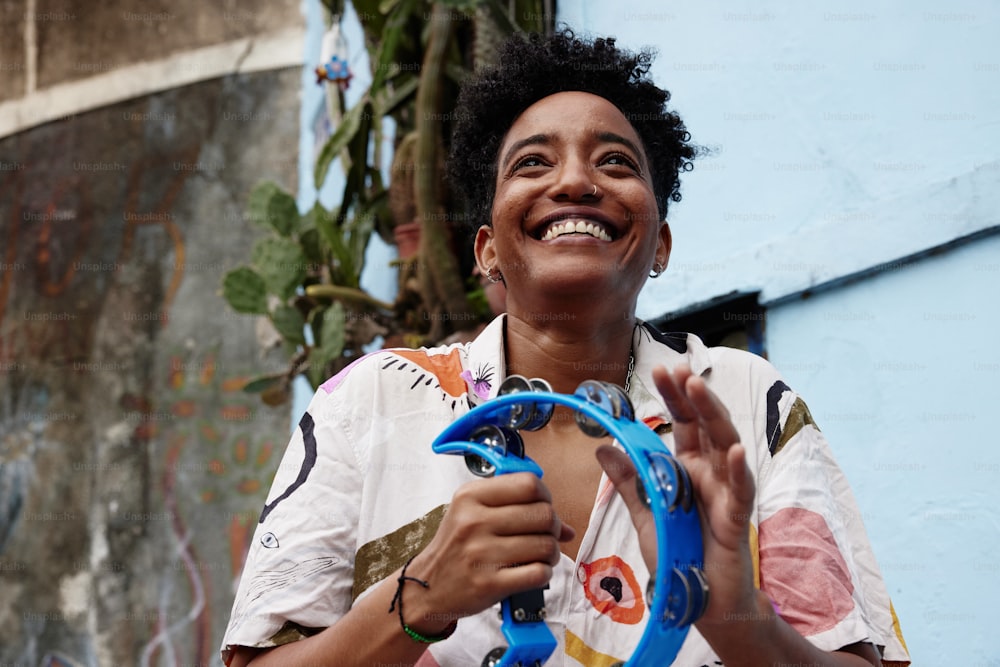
(901, 373)
(845, 137)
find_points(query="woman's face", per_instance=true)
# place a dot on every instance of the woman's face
(552, 233)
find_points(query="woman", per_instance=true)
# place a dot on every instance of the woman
(572, 159)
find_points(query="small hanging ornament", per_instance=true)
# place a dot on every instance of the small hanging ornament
(333, 67)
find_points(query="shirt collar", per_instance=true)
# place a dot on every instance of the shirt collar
(486, 364)
(653, 348)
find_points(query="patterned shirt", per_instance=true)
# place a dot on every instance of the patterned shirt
(359, 492)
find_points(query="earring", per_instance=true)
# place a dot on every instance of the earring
(493, 279)
(657, 270)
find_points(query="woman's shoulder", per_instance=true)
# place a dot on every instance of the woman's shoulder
(388, 367)
(718, 360)
(737, 359)
(751, 376)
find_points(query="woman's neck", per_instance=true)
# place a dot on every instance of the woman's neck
(566, 353)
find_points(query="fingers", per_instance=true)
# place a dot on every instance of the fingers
(621, 471)
(670, 386)
(517, 550)
(518, 543)
(499, 536)
(515, 504)
(523, 577)
(740, 479)
(566, 532)
(529, 518)
(692, 404)
(526, 505)
(513, 489)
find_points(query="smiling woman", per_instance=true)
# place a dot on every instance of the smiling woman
(570, 158)
(574, 214)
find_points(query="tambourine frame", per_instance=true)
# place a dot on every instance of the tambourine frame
(679, 592)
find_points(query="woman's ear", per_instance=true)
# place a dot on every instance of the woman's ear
(664, 246)
(485, 252)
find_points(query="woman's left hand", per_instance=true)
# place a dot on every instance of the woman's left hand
(708, 446)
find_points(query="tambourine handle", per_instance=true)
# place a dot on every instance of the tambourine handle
(530, 642)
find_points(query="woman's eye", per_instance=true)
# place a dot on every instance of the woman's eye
(619, 159)
(528, 161)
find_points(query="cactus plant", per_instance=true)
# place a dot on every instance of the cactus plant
(304, 274)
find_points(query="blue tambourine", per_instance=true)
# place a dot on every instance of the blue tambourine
(678, 593)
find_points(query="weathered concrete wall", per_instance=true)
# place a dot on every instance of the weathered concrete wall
(132, 469)
(121, 32)
(12, 65)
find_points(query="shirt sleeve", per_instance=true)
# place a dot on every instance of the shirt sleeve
(299, 570)
(815, 560)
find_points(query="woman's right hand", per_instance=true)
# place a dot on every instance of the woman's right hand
(499, 536)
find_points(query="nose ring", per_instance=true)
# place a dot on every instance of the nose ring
(594, 193)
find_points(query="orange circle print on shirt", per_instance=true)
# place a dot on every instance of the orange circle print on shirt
(611, 587)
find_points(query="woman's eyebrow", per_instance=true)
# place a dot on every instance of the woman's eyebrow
(611, 137)
(533, 140)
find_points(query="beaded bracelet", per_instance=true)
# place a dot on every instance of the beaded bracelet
(398, 598)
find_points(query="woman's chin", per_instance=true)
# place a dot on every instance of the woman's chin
(574, 287)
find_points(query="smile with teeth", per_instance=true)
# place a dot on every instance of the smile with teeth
(576, 227)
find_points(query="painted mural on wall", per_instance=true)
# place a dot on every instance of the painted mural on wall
(132, 466)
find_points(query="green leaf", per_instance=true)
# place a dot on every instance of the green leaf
(332, 332)
(371, 17)
(263, 383)
(386, 6)
(289, 323)
(245, 290)
(353, 198)
(281, 264)
(346, 271)
(326, 223)
(311, 246)
(345, 132)
(403, 89)
(307, 221)
(331, 325)
(391, 35)
(316, 372)
(362, 227)
(270, 206)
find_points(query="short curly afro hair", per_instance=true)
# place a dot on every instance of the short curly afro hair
(533, 67)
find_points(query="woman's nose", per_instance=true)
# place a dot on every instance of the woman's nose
(573, 182)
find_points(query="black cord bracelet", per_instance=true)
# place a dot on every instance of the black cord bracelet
(398, 599)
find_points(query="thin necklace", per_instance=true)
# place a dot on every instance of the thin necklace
(631, 360)
(631, 367)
